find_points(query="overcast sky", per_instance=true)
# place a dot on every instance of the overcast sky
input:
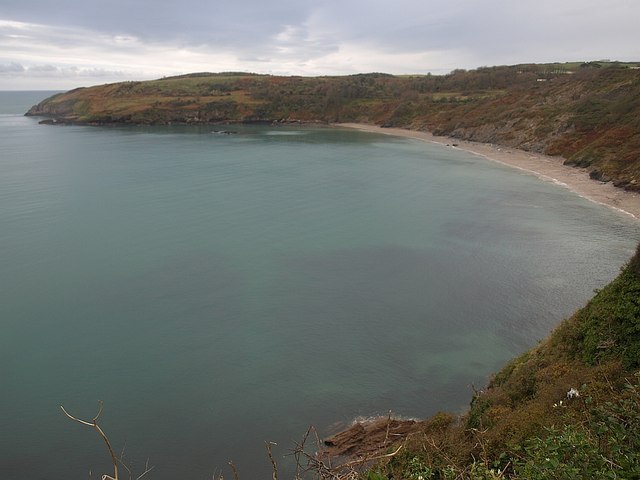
(61, 44)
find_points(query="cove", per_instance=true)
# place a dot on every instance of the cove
(218, 291)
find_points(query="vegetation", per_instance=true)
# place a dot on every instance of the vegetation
(588, 113)
(567, 409)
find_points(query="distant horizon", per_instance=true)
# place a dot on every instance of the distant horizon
(52, 89)
(34, 90)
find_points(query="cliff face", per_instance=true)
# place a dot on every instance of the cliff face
(590, 116)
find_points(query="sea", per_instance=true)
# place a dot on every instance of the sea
(217, 288)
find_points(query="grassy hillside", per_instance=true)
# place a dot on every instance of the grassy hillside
(587, 113)
(567, 409)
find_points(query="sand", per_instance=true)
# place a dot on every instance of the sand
(545, 167)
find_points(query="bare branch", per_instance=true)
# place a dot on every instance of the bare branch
(147, 469)
(74, 418)
(274, 467)
(94, 424)
(235, 470)
(101, 406)
(321, 466)
(386, 436)
(219, 477)
(371, 459)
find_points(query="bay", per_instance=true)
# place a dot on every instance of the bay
(217, 291)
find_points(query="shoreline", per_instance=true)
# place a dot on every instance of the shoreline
(545, 167)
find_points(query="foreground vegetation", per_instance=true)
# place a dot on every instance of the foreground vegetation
(587, 113)
(567, 409)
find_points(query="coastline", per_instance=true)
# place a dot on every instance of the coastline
(545, 167)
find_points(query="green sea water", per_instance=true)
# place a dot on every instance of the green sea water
(219, 291)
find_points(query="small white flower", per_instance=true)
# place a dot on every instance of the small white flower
(573, 393)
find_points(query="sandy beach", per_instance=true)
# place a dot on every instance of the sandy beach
(544, 167)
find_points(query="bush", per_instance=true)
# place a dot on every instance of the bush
(610, 323)
(607, 445)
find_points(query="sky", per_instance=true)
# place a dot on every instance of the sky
(63, 44)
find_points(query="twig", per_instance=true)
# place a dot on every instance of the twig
(94, 424)
(274, 473)
(147, 469)
(319, 446)
(386, 435)
(114, 460)
(370, 459)
(235, 470)
(219, 477)
(324, 471)
(297, 452)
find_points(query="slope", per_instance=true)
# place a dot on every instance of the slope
(567, 409)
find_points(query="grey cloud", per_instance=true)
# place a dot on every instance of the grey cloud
(288, 34)
(72, 71)
(11, 68)
(43, 68)
(242, 22)
(53, 70)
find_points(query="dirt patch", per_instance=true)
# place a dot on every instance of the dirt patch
(369, 437)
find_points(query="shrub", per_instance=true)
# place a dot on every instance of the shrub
(611, 321)
(607, 445)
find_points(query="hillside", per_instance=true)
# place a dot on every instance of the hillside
(587, 113)
(568, 408)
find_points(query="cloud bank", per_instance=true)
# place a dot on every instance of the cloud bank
(68, 43)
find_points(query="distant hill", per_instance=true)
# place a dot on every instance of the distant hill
(588, 113)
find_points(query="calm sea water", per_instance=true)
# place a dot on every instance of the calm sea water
(218, 291)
